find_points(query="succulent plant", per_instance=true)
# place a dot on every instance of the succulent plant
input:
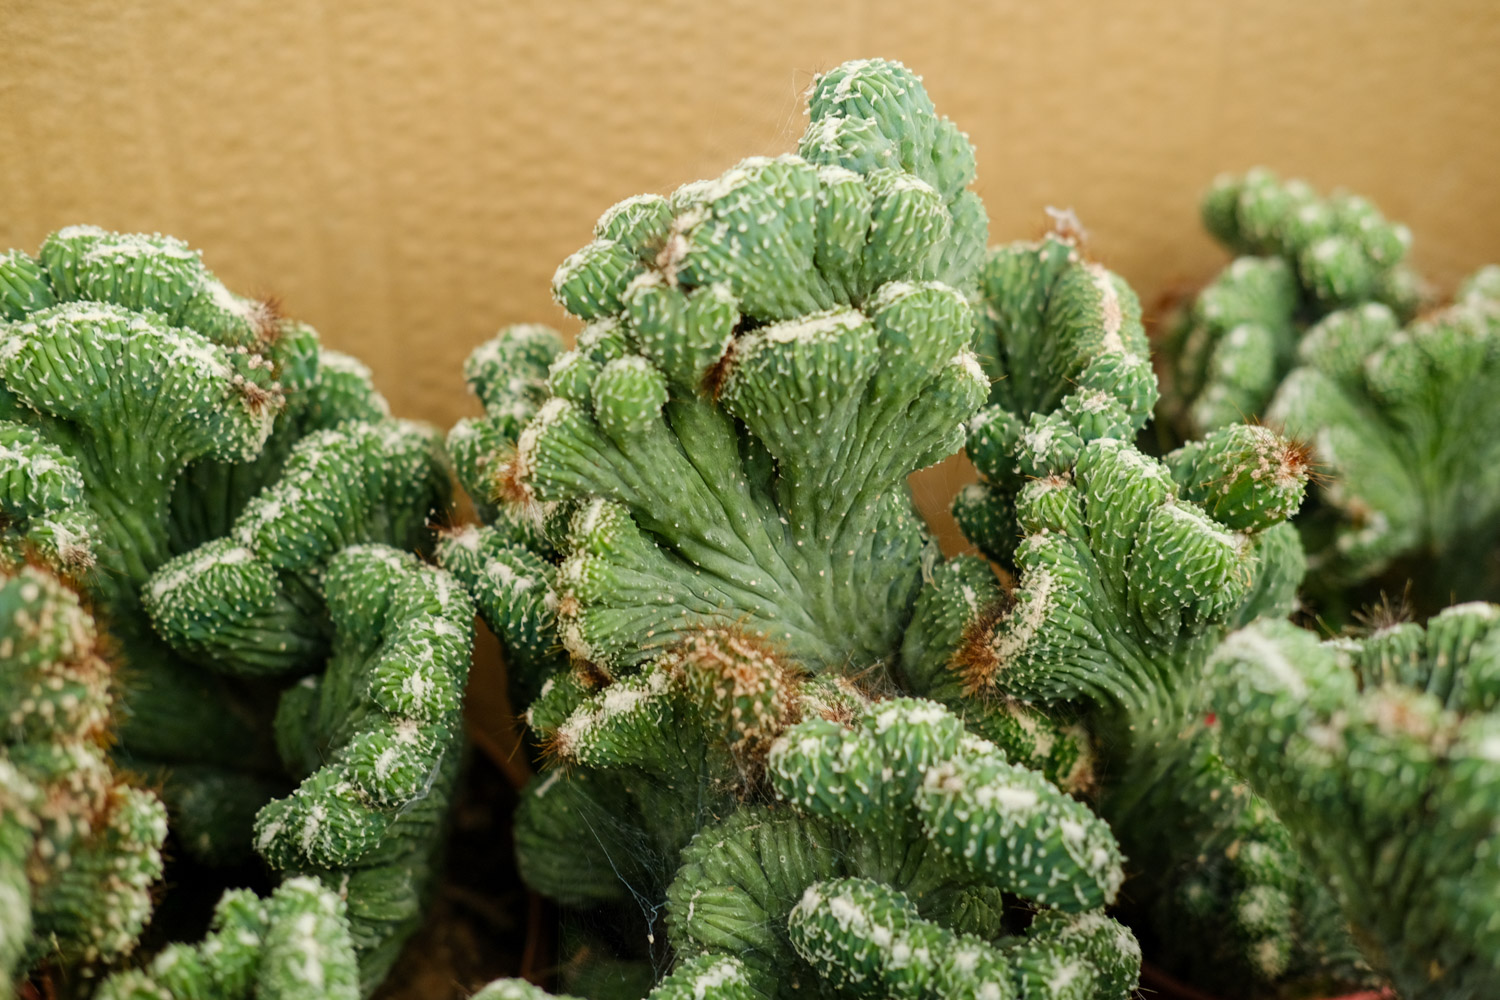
(1123, 572)
(80, 847)
(700, 557)
(767, 356)
(1379, 755)
(1298, 257)
(293, 946)
(201, 468)
(1401, 420)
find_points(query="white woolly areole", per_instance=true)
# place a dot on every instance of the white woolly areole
(507, 577)
(185, 571)
(832, 174)
(1250, 645)
(466, 538)
(737, 176)
(1025, 619)
(614, 211)
(617, 700)
(823, 134)
(117, 246)
(576, 262)
(82, 229)
(722, 973)
(1109, 301)
(969, 362)
(551, 412)
(1039, 440)
(1471, 609)
(894, 291)
(1006, 798)
(345, 364)
(910, 182)
(809, 330)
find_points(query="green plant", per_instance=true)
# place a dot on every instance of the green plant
(703, 563)
(80, 847)
(1379, 756)
(208, 474)
(1298, 257)
(1125, 572)
(1402, 421)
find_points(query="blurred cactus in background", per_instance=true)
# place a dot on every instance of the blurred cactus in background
(1403, 422)
(1380, 756)
(1298, 257)
(1315, 329)
(80, 846)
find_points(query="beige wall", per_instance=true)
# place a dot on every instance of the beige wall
(406, 175)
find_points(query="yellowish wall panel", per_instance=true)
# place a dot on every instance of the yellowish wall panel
(406, 175)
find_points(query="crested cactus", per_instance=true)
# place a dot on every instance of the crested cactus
(1298, 257)
(1379, 756)
(700, 556)
(767, 356)
(376, 738)
(1127, 571)
(79, 846)
(891, 793)
(293, 946)
(1061, 340)
(202, 468)
(1402, 421)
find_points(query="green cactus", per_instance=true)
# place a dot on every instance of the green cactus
(1379, 756)
(80, 847)
(293, 946)
(201, 467)
(700, 557)
(896, 795)
(1402, 421)
(1298, 257)
(376, 739)
(767, 356)
(1127, 571)
(1061, 340)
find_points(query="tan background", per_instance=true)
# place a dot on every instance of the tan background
(406, 175)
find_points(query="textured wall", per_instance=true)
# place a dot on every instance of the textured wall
(406, 175)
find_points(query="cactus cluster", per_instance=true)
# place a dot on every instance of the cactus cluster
(1298, 257)
(223, 493)
(1125, 572)
(1402, 421)
(702, 557)
(1317, 329)
(1380, 754)
(783, 747)
(80, 847)
(720, 763)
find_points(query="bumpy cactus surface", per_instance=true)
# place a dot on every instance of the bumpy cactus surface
(376, 737)
(767, 356)
(1126, 572)
(293, 946)
(1298, 257)
(79, 846)
(700, 557)
(892, 793)
(1380, 756)
(1404, 423)
(201, 467)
